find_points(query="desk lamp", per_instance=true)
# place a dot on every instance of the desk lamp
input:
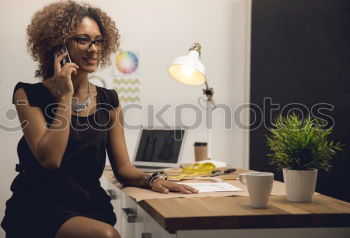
(189, 70)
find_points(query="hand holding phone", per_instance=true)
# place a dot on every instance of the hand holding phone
(61, 50)
(63, 70)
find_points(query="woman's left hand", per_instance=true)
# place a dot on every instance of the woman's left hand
(164, 186)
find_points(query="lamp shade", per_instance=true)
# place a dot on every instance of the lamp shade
(188, 69)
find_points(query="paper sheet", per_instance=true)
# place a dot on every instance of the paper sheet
(213, 187)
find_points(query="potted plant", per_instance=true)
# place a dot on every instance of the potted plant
(300, 147)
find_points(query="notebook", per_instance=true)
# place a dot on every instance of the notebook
(159, 148)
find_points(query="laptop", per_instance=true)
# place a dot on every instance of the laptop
(159, 148)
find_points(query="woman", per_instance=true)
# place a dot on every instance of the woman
(68, 124)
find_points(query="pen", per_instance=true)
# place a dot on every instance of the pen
(219, 172)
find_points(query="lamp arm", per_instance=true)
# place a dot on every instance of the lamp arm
(209, 92)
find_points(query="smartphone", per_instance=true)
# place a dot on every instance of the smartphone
(62, 49)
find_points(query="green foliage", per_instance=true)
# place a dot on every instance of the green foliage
(301, 144)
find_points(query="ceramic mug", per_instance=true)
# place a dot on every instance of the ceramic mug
(259, 187)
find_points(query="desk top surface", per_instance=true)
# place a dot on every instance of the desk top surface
(235, 213)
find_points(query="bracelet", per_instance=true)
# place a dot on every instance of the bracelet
(155, 176)
(162, 176)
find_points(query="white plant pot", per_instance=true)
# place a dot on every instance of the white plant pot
(300, 184)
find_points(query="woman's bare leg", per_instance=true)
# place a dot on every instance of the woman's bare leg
(83, 227)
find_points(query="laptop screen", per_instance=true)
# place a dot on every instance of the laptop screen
(160, 147)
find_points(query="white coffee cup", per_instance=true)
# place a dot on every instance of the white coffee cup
(259, 187)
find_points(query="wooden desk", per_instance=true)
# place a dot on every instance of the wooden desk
(234, 213)
(232, 217)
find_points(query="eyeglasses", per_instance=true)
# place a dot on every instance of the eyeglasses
(84, 43)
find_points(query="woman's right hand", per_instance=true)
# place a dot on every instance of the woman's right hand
(63, 75)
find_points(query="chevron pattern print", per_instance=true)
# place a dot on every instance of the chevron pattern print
(126, 81)
(129, 99)
(128, 89)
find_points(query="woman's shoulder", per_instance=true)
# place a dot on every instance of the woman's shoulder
(108, 97)
(26, 86)
(35, 92)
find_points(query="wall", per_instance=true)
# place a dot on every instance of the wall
(300, 55)
(160, 30)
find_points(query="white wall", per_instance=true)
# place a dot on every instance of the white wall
(160, 30)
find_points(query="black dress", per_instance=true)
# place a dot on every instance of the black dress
(43, 199)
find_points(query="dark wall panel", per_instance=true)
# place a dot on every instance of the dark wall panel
(300, 58)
